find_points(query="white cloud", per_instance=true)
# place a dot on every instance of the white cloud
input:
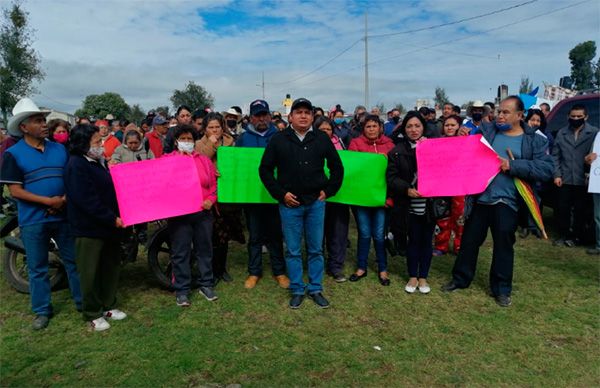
(145, 49)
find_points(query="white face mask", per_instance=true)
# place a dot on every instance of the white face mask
(96, 152)
(185, 146)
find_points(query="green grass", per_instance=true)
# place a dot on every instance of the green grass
(549, 337)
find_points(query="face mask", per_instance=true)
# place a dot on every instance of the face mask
(61, 137)
(231, 123)
(338, 120)
(503, 127)
(396, 120)
(96, 152)
(477, 116)
(576, 123)
(185, 146)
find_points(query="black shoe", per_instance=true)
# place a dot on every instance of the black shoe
(40, 322)
(570, 243)
(339, 277)
(319, 299)
(226, 277)
(450, 286)
(503, 300)
(384, 281)
(558, 242)
(296, 301)
(354, 277)
(209, 293)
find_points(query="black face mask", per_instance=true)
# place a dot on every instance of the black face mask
(231, 124)
(396, 120)
(576, 123)
(477, 116)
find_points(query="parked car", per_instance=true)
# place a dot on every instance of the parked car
(559, 115)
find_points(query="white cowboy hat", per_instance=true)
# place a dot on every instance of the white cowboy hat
(232, 112)
(478, 104)
(23, 109)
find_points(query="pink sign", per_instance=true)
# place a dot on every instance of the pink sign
(155, 189)
(457, 165)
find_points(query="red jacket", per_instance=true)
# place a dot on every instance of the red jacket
(155, 141)
(382, 145)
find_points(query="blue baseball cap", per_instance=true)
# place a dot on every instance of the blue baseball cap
(259, 106)
(159, 120)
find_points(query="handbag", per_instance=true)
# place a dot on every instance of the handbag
(439, 208)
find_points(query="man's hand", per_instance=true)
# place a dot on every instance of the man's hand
(322, 196)
(558, 181)
(589, 158)
(463, 131)
(505, 166)
(413, 193)
(207, 204)
(290, 200)
(56, 203)
(119, 223)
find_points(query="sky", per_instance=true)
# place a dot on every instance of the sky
(145, 49)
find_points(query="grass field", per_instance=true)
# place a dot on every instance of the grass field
(371, 335)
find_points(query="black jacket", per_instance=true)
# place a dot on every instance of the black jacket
(91, 200)
(300, 166)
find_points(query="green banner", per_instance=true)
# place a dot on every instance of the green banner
(364, 177)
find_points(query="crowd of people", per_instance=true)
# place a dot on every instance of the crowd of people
(60, 178)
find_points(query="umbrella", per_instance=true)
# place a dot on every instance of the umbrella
(528, 196)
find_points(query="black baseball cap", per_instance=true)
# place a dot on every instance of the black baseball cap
(302, 102)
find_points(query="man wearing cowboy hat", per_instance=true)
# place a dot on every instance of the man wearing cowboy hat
(233, 122)
(476, 111)
(33, 171)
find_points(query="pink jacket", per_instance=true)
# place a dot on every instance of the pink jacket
(207, 174)
(381, 145)
(337, 143)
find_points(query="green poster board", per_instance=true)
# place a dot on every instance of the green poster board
(364, 177)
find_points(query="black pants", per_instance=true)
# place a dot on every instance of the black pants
(264, 228)
(571, 197)
(337, 218)
(502, 221)
(196, 229)
(419, 249)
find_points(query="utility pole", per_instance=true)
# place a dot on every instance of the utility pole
(262, 85)
(366, 64)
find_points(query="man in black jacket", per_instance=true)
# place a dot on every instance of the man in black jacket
(301, 187)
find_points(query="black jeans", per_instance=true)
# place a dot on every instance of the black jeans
(264, 228)
(337, 218)
(571, 197)
(196, 229)
(419, 249)
(502, 221)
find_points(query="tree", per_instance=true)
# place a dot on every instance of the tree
(400, 107)
(525, 86)
(581, 57)
(162, 110)
(137, 114)
(597, 74)
(194, 96)
(467, 104)
(440, 97)
(381, 107)
(19, 62)
(103, 104)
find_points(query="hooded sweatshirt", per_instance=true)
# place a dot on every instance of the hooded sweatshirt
(381, 145)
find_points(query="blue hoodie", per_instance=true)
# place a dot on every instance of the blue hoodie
(252, 138)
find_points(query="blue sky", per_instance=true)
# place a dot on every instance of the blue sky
(144, 50)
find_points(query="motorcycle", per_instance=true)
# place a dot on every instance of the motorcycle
(14, 258)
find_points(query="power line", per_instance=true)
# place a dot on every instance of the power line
(321, 66)
(399, 33)
(453, 22)
(452, 40)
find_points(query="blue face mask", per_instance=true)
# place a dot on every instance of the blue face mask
(338, 120)
(503, 127)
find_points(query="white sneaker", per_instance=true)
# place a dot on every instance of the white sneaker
(100, 324)
(114, 314)
(424, 289)
(410, 289)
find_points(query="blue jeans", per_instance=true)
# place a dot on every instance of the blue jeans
(307, 221)
(371, 224)
(36, 239)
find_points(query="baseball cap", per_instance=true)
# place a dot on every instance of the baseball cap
(159, 120)
(259, 106)
(302, 102)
